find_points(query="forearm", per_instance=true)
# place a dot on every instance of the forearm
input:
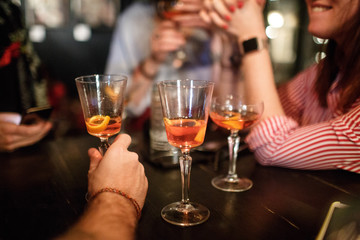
(225, 71)
(279, 141)
(259, 81)
(256, 68)
(143, 77)
(108, 216)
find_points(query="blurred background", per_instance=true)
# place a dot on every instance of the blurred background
(72, 38)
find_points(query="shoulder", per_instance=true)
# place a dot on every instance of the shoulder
(306, 77)
(136, 18)
(309, 73)
(138, 11)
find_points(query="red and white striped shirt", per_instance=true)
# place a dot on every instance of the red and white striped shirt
(309, 136)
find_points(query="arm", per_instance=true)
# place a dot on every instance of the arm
(130, 45)
(107, 217)
(246, 22)
(223, 72)
(165, 39)
(259, 82)
(256, 66)
(295, 93)
(279, 141)
(138, 50)
(110, 215)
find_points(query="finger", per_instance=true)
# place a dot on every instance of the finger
(190, 20)
(164, 24)
(43, 131)
(232, 4)
(192, 1)
(172, 32)
(189, 6)
(196, 24)
(95, 158)
(122, 140)
(205, 17)
(208, 5)
(261, 2)
(28, 130)
(171, 38)
(26, 135)
(222, 9)
(217, 20)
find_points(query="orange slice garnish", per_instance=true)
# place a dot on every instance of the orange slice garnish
(98, 123)
(111, 93)
(234, 121)
(200, 135)
(238, 125)
(232, 115)
(167, 122)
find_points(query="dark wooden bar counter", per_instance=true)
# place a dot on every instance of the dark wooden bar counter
(42, 190)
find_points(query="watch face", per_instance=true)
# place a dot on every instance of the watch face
(250, 45)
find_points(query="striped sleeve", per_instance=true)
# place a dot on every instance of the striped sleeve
(294, 93)
(279, 141)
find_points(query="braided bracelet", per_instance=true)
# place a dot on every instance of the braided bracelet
(114, 190)
(141, 69)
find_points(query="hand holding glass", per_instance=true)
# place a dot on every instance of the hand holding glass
(186, 106)
(102, 102)
(167, 9)
(234, 113)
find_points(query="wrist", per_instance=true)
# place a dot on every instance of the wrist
(107, 216)
(113, 195)
(115, 205)
(258, 32)
(252, 44)
(148, 67)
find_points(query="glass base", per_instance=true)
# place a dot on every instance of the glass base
(229, 184)
(182, 214)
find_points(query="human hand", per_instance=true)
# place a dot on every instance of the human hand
(189, 14)
(243, 19)
(118, 169)
(166, 38)
(13, 136)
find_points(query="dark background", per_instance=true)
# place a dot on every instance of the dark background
(64, 58)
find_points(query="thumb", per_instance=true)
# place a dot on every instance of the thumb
(95, 158)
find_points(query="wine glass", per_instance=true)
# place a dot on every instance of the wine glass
(185, 105)
(102, 102)
(234, 113)
(167, 9)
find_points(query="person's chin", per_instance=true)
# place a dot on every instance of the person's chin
(318, 31)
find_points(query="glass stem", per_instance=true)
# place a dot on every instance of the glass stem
(103, 146)
(185, 168)
(233, 142)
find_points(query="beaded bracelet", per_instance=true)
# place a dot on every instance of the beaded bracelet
(114, 190)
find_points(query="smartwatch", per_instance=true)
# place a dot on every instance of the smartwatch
(253, 44)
